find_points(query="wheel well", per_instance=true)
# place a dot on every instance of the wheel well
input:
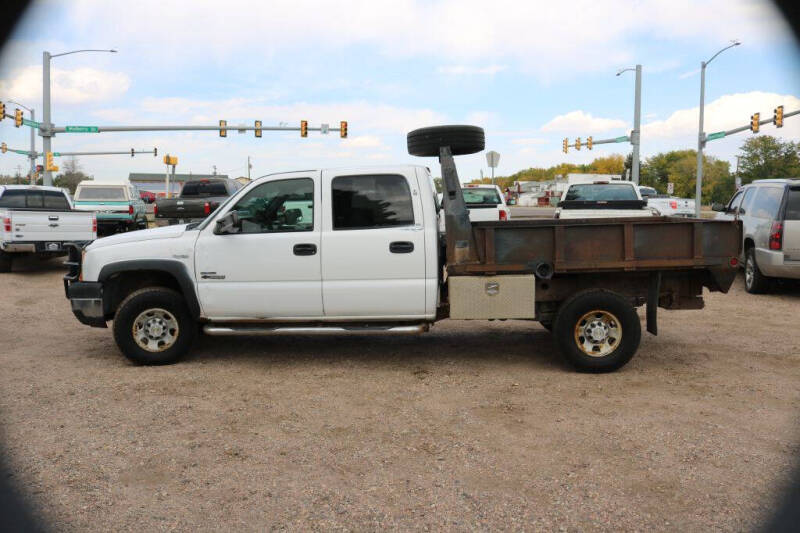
(118, 286)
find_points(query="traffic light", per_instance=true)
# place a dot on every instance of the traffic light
(170, 160)
(303, 128)
(132, 152)
(578, 143)
(755, 118)
(48, 162)
(565, 145)
(343, 129)
(18, 117)
(4, 147)
(258, 128)
(777, 117)
(2, 110)
(155, 152)
(589, 143)
(223, 132)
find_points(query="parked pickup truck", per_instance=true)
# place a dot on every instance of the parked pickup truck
(484, 202)
(666, 205)
(118, 206)
(603, 199)
(357, 250)
(39, 220)
(197, 200)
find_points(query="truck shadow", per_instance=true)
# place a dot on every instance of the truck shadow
(35, 265)
(526, 344)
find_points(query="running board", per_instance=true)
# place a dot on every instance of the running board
(315, 330)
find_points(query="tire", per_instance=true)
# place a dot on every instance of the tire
(165, 312)
(754, 281)
(616, 324)
(462, 140)
(5, 262)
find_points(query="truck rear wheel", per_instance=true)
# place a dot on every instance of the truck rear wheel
(597, 331)
(5, 262)
(462, 140)
(153, 326)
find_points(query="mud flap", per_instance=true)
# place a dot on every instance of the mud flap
(653, 290)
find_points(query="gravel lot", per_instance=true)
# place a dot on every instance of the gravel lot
(472, 426)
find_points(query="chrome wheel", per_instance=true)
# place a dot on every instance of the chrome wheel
(155, 330)
(598, 333)
(749, 271)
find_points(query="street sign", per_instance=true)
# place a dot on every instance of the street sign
(670, 188)
(31, 123)
(492, 159)
(622, 139)
(81, 129)
(716, 135)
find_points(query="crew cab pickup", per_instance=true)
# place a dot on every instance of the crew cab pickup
(603, 199)
(39, 220)
(667, 205)
(118, 206)
(197, 200)
(357, 250)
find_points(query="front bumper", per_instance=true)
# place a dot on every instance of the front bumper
(773, 263)
(85, 297)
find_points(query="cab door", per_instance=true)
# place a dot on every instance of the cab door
(270, 267)
(373, 246)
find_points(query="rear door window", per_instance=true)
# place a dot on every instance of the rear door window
(767, 202)
(793, 204)
(371, 201)
(55, 201)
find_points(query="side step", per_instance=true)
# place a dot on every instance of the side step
(211, 329)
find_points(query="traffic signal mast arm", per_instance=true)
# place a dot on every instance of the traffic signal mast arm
(749, 126)
(193, 127)
(565, 144)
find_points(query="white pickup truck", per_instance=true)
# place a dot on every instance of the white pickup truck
(484, 203)
(39, 220)
(666, 205)
(603, 199)
(358, 250)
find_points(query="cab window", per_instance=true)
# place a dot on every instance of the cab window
(277, 206)
(371, 201)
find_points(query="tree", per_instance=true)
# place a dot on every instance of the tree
(70, 176)
(766, 157)
(654, 172)
(613, 164)
(680, 168)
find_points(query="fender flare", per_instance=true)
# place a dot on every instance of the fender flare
(176, 269)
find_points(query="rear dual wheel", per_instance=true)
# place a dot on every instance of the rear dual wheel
(597, 331)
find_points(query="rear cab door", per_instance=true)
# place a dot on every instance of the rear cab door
(374, 238)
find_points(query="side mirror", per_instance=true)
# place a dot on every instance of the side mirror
(716, 206)
(227, 224)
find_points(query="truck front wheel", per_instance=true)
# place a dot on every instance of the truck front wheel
(153, 326)
(597, 331)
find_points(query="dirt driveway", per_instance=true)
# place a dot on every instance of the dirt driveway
(473, 426)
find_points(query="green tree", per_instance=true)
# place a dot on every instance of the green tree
(71, 175)
(680, 168)
(766, 157)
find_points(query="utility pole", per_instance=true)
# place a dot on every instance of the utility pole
(249, 166)
(701, 136)
(637, 120)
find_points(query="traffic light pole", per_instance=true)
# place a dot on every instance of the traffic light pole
(637, 120)
(46, 128)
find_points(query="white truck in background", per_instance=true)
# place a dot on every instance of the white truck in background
(484, 203)
(39, 220)
(603, 199)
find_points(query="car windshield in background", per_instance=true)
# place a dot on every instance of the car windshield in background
(481, 196)
(600, 192)
(793, 204)
(204, 188)
(647, 191)
(101, 193)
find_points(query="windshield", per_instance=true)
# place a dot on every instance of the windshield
(600, 192)
(204, 188)
(647, 191)
(475, 196)
(101, 193)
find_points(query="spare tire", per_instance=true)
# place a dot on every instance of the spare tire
(462, 140)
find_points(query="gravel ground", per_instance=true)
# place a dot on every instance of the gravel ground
(474, 426)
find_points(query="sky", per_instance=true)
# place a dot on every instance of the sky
(530, 73)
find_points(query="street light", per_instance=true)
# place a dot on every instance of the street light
(637, 119)
(32, 155)
(46, 127)
(701, 137)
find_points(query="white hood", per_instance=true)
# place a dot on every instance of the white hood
(164, 232)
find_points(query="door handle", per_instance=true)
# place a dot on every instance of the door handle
(401, 247)
(305, 249)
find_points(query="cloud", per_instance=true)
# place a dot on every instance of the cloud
(75, 86)
(580, 122)
(530, 141)
(490, 70)
(724, 113)
(688, 74)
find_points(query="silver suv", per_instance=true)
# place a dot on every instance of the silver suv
(770, 215)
